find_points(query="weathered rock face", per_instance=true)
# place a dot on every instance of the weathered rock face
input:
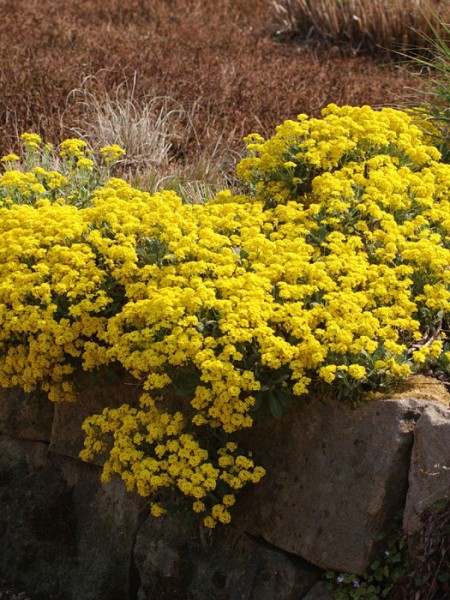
(37, 533)
(63, 535)
(226, 564)
(335, 479)
(319, 592)
(106, 518)
(429, 475)
(20, 458)
(25, 416)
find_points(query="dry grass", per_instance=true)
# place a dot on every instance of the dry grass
(388, 26)
(431, 559)
(155, 131)
(217, 62)
(149, 128)
(434, 95)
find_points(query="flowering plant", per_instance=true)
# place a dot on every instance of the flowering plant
(332, 272)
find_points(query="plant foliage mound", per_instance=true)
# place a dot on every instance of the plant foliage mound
(331, 273)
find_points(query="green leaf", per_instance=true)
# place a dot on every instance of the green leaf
(443, 577)
(275, 407)
(110, 375)
(258, 402)
(282, 378)
(284, 397)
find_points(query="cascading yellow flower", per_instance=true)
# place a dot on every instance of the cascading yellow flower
(333, 271)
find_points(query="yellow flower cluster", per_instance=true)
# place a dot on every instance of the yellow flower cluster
(31, 140)
(283, 167)
(112, 153)
(151, 451)
(333, 271)
(73, 148)
(68, 176)
(51, 296)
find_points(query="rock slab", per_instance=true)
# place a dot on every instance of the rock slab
(226, 564)
(336, 478)
(20, 458)
(319, 592)
(429, 476)
(25, 416)
(63, 534)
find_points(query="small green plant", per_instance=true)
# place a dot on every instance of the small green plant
(386, 569)
(396, 575)
(429, 572)
(69, 173)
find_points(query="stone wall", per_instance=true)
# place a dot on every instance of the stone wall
(335, 480)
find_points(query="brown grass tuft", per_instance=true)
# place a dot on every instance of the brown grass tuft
(383, 26)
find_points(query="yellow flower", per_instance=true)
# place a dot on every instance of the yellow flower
(112, 153)
(157, 510)
(10, 158)
(209, 522)
(228, 500)
(31, 140)
(357, 371)
(73, 148)
(85, 163)
(328, 373)
(198, 506)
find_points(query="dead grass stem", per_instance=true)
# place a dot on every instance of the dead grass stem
(163, 147)
(386, 26)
